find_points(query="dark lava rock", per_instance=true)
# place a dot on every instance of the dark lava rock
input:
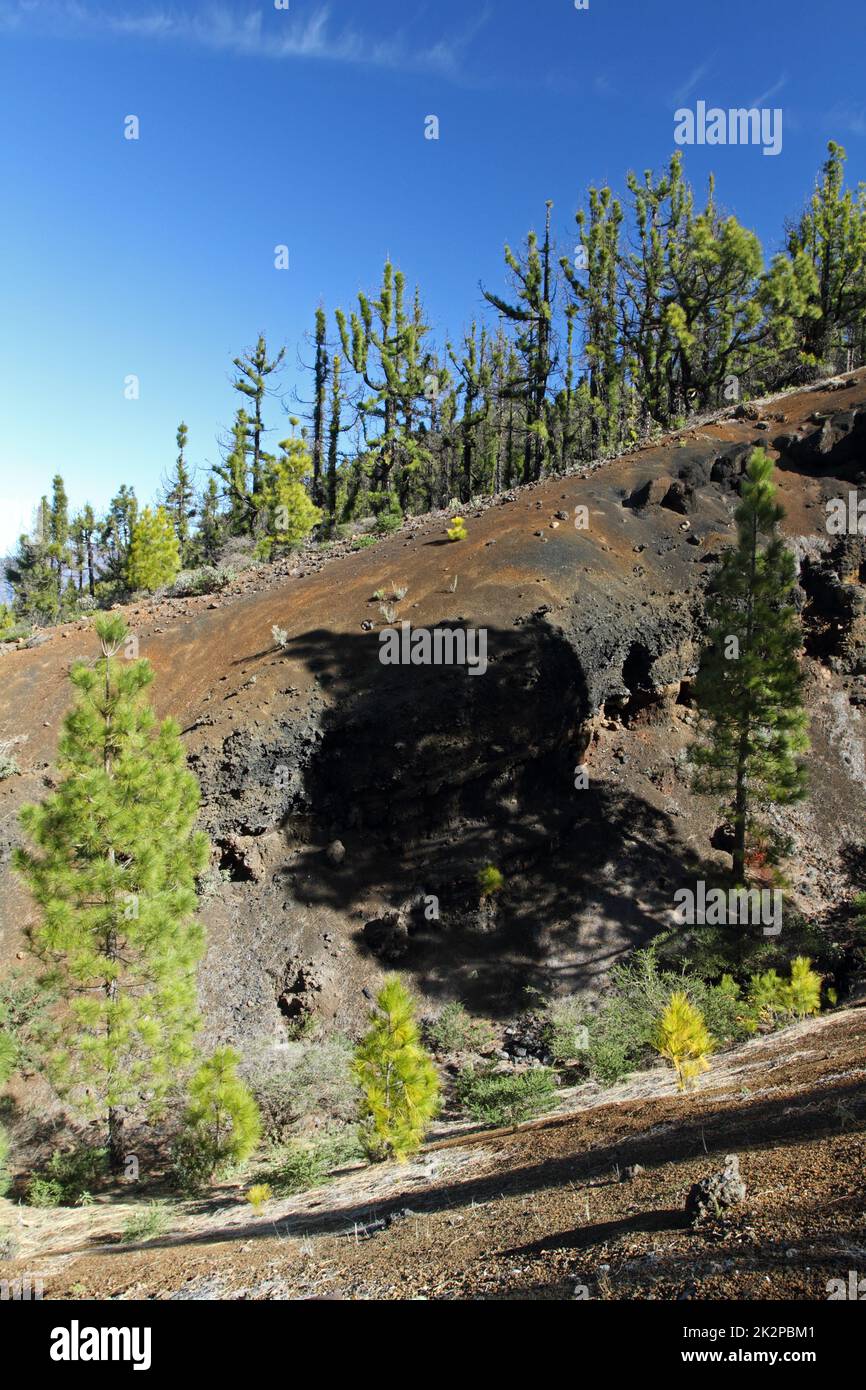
(712, 1196)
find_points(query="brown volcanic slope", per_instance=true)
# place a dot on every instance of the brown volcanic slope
(425, 774)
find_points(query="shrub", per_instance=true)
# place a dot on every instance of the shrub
(67, 1177)
(364, 542)
(280, 636)
(221, 1122)
(259, 1195)
(457, 530)
(24, 1022)
(399, 1083)
(299, 1166)
(805, 988)
(771, 999)
(566, 1028)
(682, 1037)
(502, 1098)
(388, 522)
(490, 880)
(768, 999)
(621, 1034)
(152, 1220)
(455, 1030)
(9, 766)
(10, 628)
(210, 579)
(302, 1082)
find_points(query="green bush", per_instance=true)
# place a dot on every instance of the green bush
(67, 1177)
(302, 1082)
(710, 951)
(566, 1028)
(299, 1166)
(455, 1030)
(24, 1022)
(502, 1098)
(210, 579)
(490, 880)
(621, 1033)
(771, 1000)
(152, 1220)
(221, 1125)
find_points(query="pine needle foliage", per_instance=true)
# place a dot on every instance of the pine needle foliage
(805, 988)
(682, 1037)
(112, 870)
(221, 1123)
(398, 1080)
(154, 552)
(753, 727)
(284, 500)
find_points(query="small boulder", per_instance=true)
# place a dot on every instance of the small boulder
(633, 1171)
(711, 1197)
(388, 936)
(650, 493)
(336, 852)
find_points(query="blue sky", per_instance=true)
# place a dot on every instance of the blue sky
(305, 127)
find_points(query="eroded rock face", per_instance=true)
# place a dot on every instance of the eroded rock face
(336, 790)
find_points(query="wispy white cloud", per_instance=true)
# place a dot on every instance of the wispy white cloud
(773, 91)
(848, 120)
(695, 76)
(224, 28)
(603, 87)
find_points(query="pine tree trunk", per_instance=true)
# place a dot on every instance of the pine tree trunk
(116, 1154)
(740, 817)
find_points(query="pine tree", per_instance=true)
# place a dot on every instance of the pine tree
(154, 553)
(254, 367)
(289, 515)
(334, 429)
(533, 311)
(221, 1125)
(234, 473)
(383, 326)
(320, 373)
(805, 988)
(831, 234)
(179, 498)
(398, 1081)
(682, 1037)
(82, 533)
(113, 873)
(210, 523)
(595, 298)
(116, 535)
(58, 528)
(33, 575)
(752, 729)
(475, 371)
